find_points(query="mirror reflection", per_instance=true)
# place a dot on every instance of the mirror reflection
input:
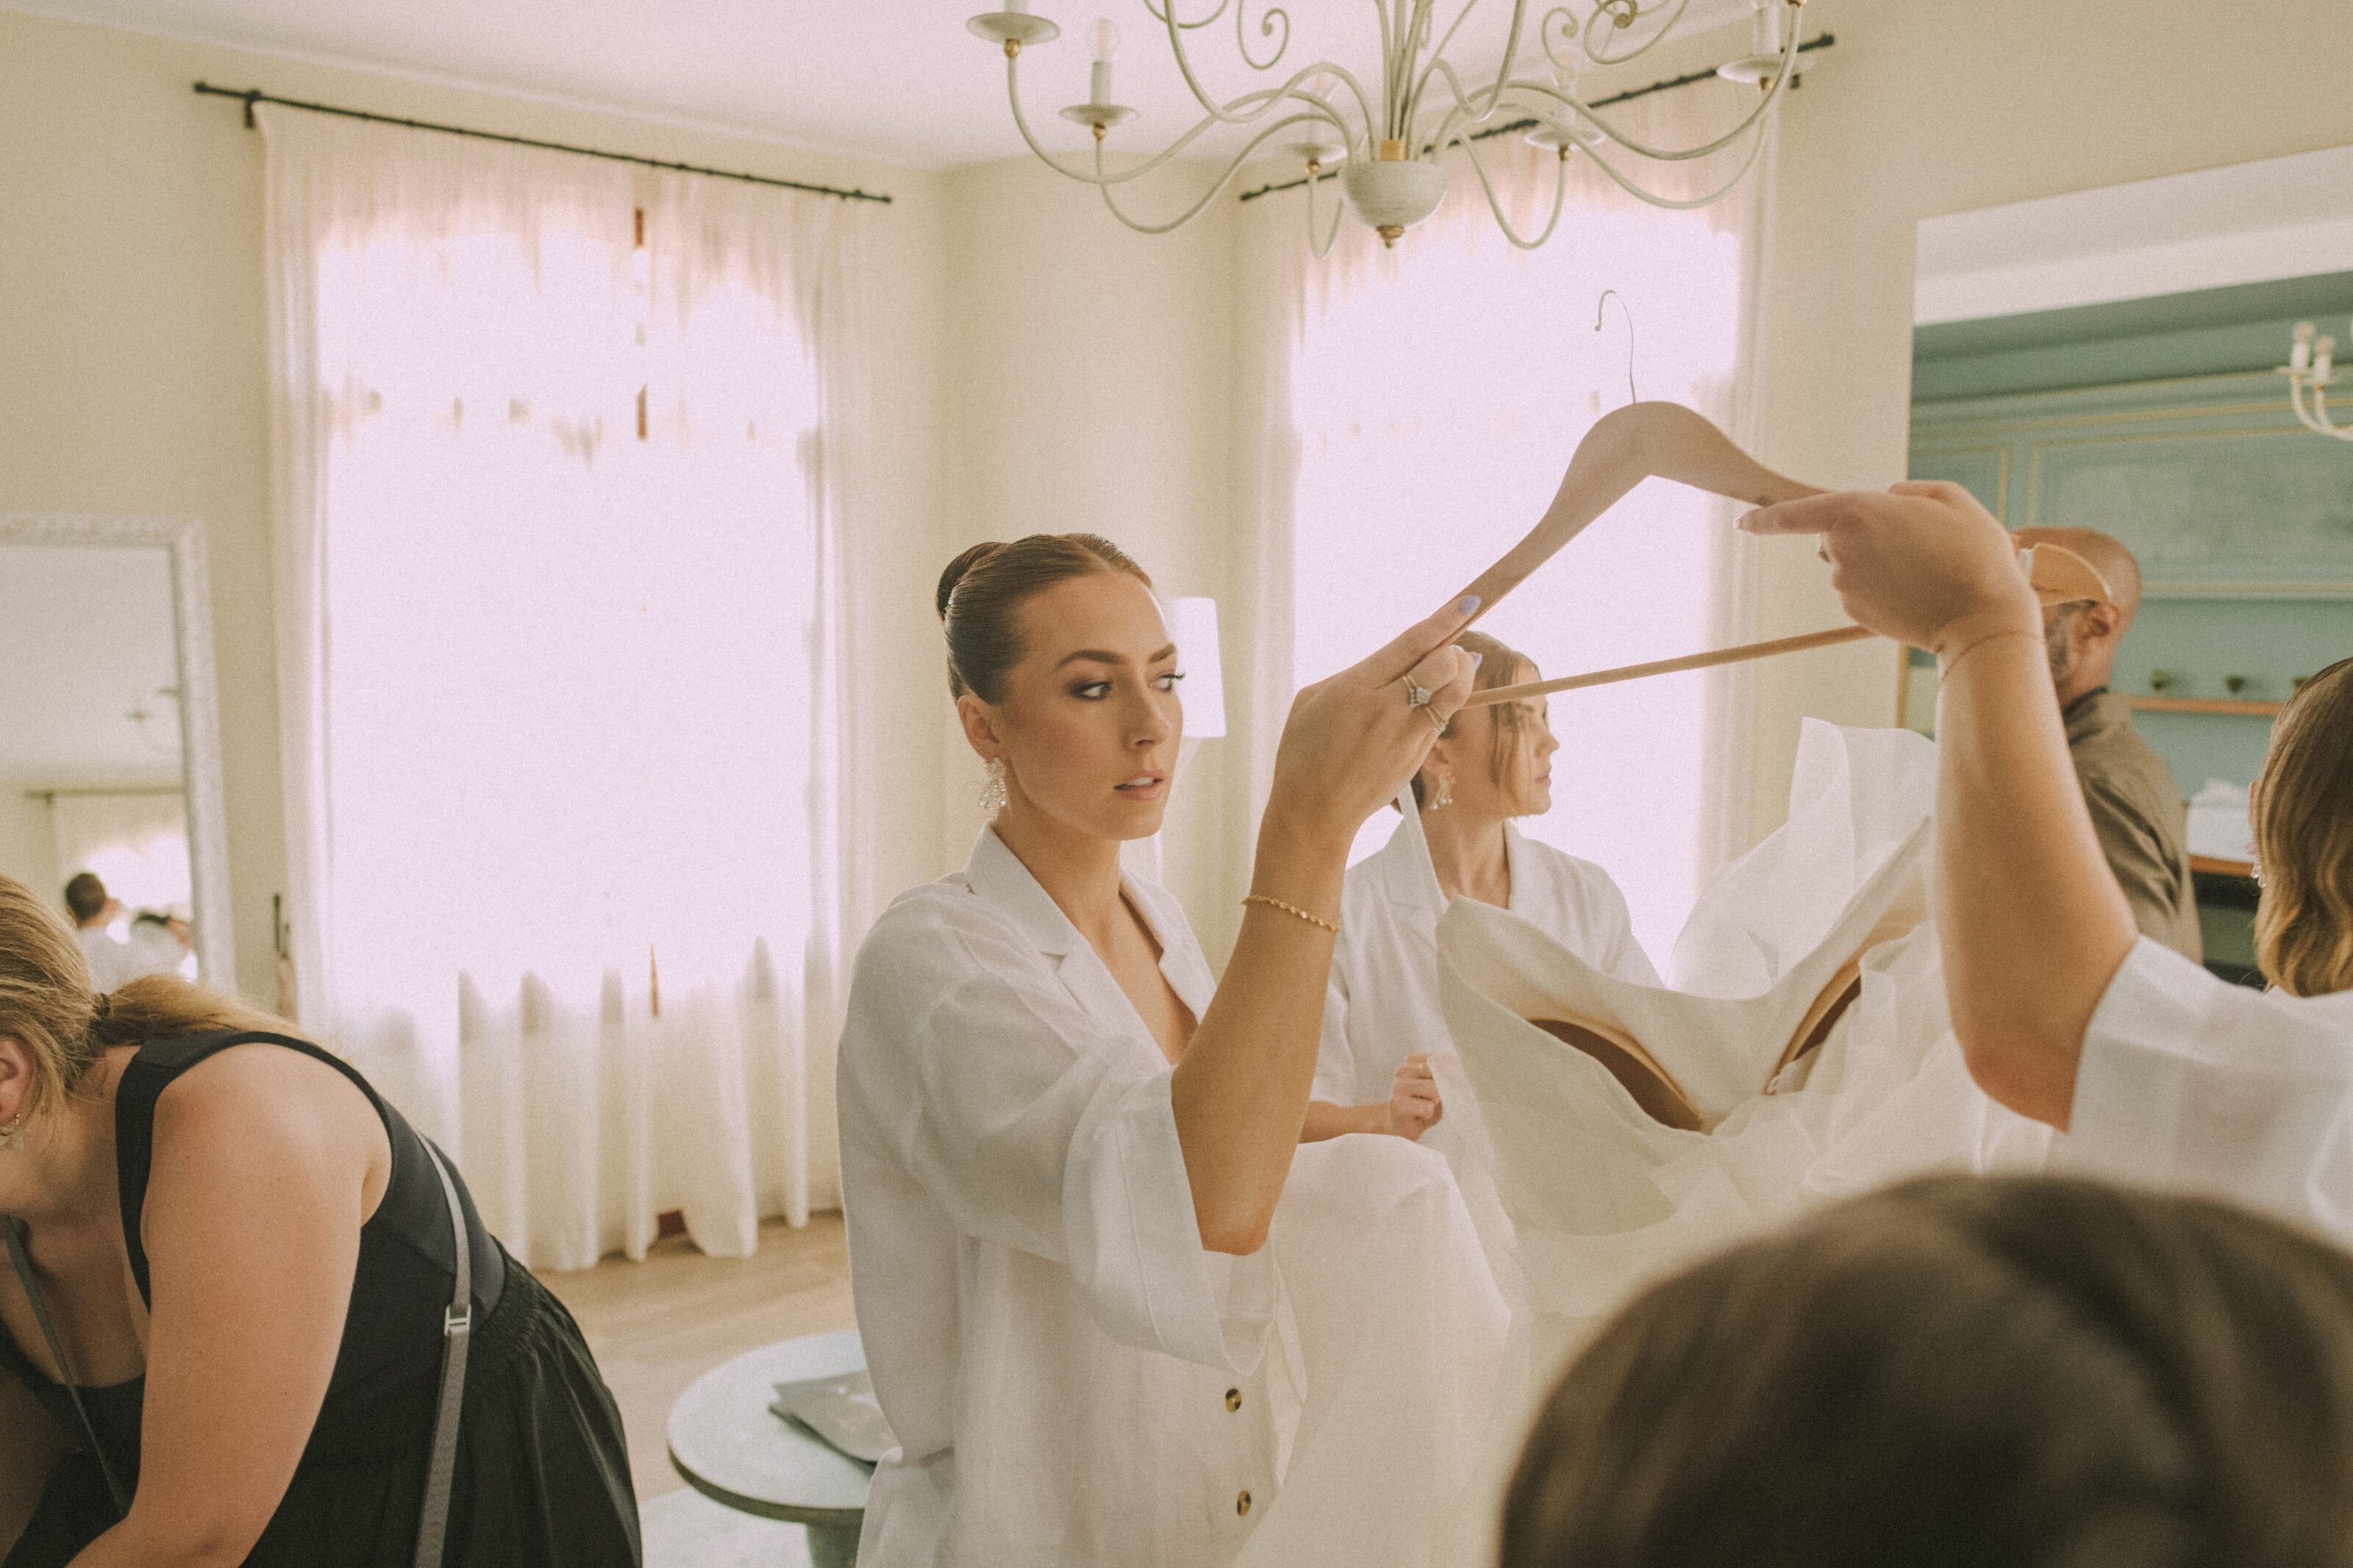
(93, 804)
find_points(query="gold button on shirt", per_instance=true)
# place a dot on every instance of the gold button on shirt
(1234, 1399)
(1242, 1504)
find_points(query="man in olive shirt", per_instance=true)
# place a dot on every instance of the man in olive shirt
(2135, 804)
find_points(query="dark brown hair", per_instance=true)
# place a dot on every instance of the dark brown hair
(46, 1002)
(2025, 1371)
(85, 895)
(2301, 807)
(1500, 665)
(983, 590)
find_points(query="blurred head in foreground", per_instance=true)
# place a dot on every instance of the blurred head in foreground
(2023, 1372)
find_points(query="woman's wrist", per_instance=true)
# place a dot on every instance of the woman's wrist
(1296, 879)
(1288, 836)
(2019, 617)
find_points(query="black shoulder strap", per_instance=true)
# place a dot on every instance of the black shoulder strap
(24, 1267)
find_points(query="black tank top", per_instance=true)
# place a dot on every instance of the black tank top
(380, 1396)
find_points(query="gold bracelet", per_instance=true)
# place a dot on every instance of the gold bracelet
(1292, 910)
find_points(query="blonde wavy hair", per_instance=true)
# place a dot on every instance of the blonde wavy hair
(1500, 665)
(2302, 807)
(47, 1002)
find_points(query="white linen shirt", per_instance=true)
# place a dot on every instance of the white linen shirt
(1073, 1379)
(2191, 1083)
(110, 963)
(1382, 1005)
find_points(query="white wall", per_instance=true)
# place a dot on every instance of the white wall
(131, 316)
(1091, 370)
(28, 849)
(1927, 108)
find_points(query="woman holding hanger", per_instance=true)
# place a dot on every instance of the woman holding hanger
(223, 1321)
(2158, 1071)
(1489, 766)
(1063, 1144)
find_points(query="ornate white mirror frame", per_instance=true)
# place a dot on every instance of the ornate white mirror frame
(184, 539)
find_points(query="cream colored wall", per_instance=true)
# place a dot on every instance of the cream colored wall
(132, 335)
(1927, 108)
(28, 846)
(1092, 374)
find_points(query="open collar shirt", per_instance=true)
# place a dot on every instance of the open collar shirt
(1073, 1378)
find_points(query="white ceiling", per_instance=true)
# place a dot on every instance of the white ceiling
(898, 79)
(86, 636)
(2244, 223)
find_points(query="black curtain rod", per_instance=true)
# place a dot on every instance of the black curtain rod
(1824, 42)
(254, 95)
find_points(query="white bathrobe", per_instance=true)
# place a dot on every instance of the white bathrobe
(1383, 1002)
(2191, 1083)
(1073, 1379)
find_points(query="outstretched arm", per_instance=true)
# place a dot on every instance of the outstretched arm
(2030, 923)
(1241, 1092)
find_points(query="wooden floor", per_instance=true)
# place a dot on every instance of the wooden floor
(656, 1326)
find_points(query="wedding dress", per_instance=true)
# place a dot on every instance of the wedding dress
(1803, 1033)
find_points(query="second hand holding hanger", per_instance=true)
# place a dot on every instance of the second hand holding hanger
(1667, 440)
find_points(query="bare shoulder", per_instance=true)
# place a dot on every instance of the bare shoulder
(260, 1094)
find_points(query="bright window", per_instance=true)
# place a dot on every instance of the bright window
(1438, 393)
(572, 626)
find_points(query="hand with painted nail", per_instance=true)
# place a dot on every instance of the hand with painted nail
(1352, 741)
(1922, 563)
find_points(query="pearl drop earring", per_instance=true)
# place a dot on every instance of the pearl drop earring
(12, 1135)
(992, 788)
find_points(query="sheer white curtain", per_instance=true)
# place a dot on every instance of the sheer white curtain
(1409, 417)
(563, 452)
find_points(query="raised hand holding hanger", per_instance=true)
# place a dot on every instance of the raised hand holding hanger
(1667, 440)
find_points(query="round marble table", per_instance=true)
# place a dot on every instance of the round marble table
(733, 1450)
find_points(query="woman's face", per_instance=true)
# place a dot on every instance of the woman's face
(1468, 757)
(1089, 721)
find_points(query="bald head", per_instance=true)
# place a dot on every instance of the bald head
(2082, 637)
(2108, 557)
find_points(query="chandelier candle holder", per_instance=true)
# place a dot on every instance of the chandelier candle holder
(1386, 144)
(2312, 368)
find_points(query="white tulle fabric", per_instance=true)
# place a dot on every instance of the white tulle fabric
(1579, 1196)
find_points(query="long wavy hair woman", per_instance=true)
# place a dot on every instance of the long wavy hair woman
(222, 1334)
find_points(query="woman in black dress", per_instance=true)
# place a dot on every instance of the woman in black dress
(247, 1259)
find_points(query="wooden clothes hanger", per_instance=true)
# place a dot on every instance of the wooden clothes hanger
(1669, 441)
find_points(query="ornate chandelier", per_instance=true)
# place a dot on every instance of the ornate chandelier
(1386, 144)
(2312, 367)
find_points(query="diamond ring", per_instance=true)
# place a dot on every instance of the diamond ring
(1415, 696)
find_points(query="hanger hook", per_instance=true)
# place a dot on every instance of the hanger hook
(1601, 308)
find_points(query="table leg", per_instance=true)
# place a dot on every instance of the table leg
(833, 1546)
